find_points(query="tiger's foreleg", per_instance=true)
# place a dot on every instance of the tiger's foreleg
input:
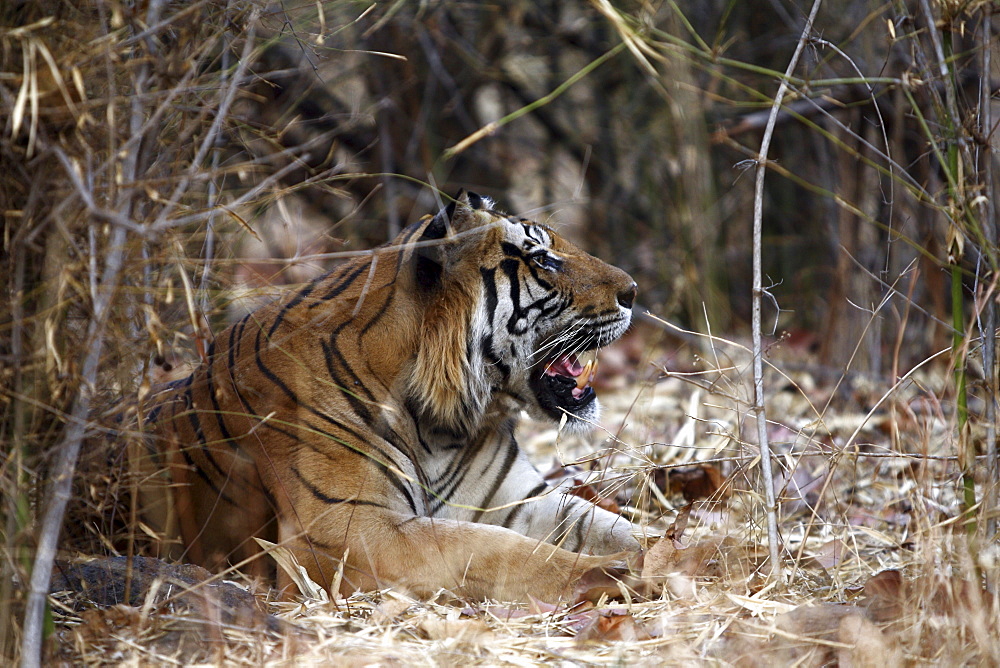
(578, 524)
(534, 508)
(425, 555)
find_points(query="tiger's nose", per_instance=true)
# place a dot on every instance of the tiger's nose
(627, 296)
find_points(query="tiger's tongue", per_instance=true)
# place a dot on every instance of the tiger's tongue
(569, 366)
(565, 365)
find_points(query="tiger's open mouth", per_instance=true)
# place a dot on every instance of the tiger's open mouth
(563, 384)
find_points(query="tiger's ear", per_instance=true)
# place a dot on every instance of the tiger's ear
(474, 201)
(457, 216)
(454, 219)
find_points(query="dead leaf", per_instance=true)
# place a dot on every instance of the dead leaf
(831, 553)
(610, 625)
(816, 621)
(99, 623)
(668, 557)
(590, 493)
(678, 526)
(294, 570)
(889, 596)
(702, 481)
(602, 583)
(674, 567)
(661, 559)
(885, 596)
(558, 472)
(575, 475)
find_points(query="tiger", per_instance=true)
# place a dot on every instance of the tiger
(367, 420)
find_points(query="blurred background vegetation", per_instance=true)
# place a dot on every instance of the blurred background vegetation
(164, 165)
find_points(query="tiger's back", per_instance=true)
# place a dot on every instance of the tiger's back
(368, 418)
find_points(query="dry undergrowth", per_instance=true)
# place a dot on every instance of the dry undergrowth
(878, 570)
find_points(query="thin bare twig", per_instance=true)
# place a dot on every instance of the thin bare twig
(248, 196)
(989, 324)
(68, 450)
(221, 115)
(68, 453)
(758, 291)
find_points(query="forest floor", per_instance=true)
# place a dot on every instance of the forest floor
(878, 569)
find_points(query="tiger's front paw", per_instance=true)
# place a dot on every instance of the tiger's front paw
(618, 537)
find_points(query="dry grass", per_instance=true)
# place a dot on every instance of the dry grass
(144, 151)
(114, 121)
(885, 500)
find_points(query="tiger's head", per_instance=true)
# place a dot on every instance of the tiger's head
(508, 306)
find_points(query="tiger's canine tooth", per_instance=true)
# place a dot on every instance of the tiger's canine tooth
(587, 374)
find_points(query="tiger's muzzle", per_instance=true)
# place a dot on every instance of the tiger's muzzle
(562, 384)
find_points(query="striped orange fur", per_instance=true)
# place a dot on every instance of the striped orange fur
(366, 421)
